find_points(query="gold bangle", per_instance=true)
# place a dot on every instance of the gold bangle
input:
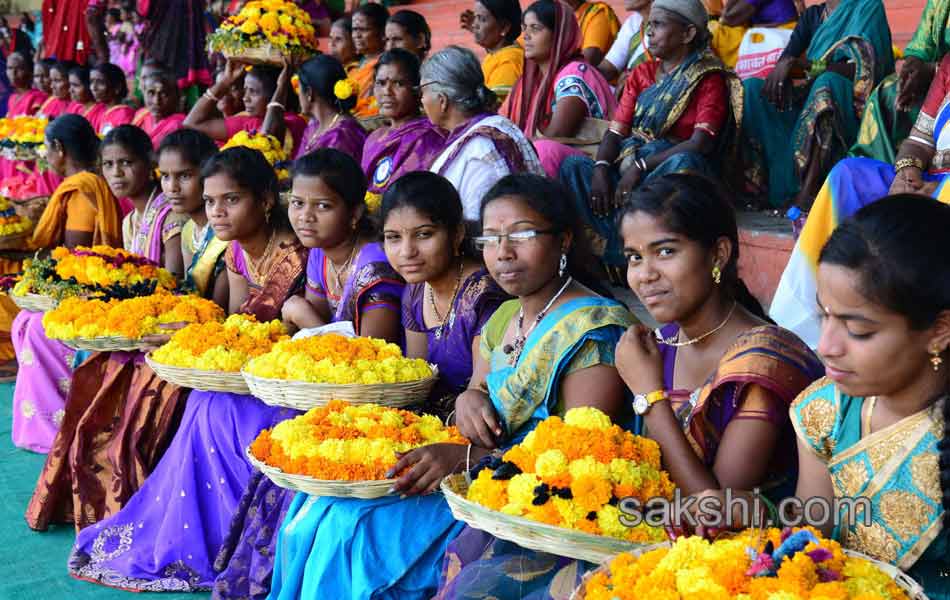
(903, 163)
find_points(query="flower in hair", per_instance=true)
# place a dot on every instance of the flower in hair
(344, 89)
(295, 83)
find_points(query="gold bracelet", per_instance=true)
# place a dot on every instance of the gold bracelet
(903, 163)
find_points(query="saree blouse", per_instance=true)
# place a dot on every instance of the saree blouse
(896, 468)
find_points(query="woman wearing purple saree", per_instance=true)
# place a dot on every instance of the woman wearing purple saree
(348, 279)
(166, 536)
(411, 142)
(328, 99)
(449, 297)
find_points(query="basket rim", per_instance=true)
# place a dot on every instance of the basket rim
(261, 465)
(452, 496)
(191, 370)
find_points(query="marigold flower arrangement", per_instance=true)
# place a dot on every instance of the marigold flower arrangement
(214, 346)
(131, 319)
(373, 202)
(10, 222)
(21, 136)
(268, 145)
(572, 472)
(337, 359)
(278, 23)
(95, 272)
(771, 564)
(344, 442)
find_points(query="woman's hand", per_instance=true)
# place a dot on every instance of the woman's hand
(232, 72)
(466, 20)
(777, 83)
(638, 360)
(600, 192)
(476, 419)
(908, 180)
(628, 181)
(912, 83)
(156, 340)
(430, 464)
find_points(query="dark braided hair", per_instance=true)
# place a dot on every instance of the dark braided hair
(696, 207)
(896, 246)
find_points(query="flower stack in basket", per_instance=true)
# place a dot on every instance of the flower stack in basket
(88, 272)
(209, 356)
(560, 490)
(265, 31)
(343, 449)
(769, 564)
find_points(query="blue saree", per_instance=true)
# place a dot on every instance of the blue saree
(658, 109)
(579, 334)
(896, 468)
(393, 548)
(822, 121)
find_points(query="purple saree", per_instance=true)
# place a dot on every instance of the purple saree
(390, 153)
(346, 136)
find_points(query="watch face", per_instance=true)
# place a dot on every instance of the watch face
(640, 404)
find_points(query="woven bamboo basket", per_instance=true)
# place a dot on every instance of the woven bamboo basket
(264, 54)
(527, 533)
(301, 395)
(17, 241)
(366, 490)
(905, 582)
(198, 379)
(34, 302)
(106, 344)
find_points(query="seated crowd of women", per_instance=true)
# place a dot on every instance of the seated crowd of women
(177, 506)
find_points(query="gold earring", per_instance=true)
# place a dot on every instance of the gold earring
(935, 360)
(716, 274)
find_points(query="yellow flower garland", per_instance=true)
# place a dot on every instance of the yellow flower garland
(226, 346)
(131, 319)
(337, 359)
(571, 472)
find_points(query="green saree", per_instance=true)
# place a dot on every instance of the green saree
(883, 127)
(826, 112)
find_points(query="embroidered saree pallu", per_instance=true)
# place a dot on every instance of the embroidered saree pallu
(310, 372)
(343, 450)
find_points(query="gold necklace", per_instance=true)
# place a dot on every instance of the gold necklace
(677, 344)
(254, 269)
(451, 313)
(867, 419)
(346, 265)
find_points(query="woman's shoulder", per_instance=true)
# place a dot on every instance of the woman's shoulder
(817, 414)
(778, 343)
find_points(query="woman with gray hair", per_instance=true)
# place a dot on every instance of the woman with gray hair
(482, 147)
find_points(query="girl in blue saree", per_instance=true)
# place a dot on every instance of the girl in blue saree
(922, 165)
(676, 114)
(877, 428)
(843, 47)
(392, 548)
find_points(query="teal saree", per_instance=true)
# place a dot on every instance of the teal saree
(822, 121)
(896, 468)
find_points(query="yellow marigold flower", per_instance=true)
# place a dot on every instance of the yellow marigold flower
(344, 89)
(587, 417)
(550, 464)
(249, 27)
(521, 489)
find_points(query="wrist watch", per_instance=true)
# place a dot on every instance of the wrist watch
(643, 402)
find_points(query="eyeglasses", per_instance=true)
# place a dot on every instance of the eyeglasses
(515, 238)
